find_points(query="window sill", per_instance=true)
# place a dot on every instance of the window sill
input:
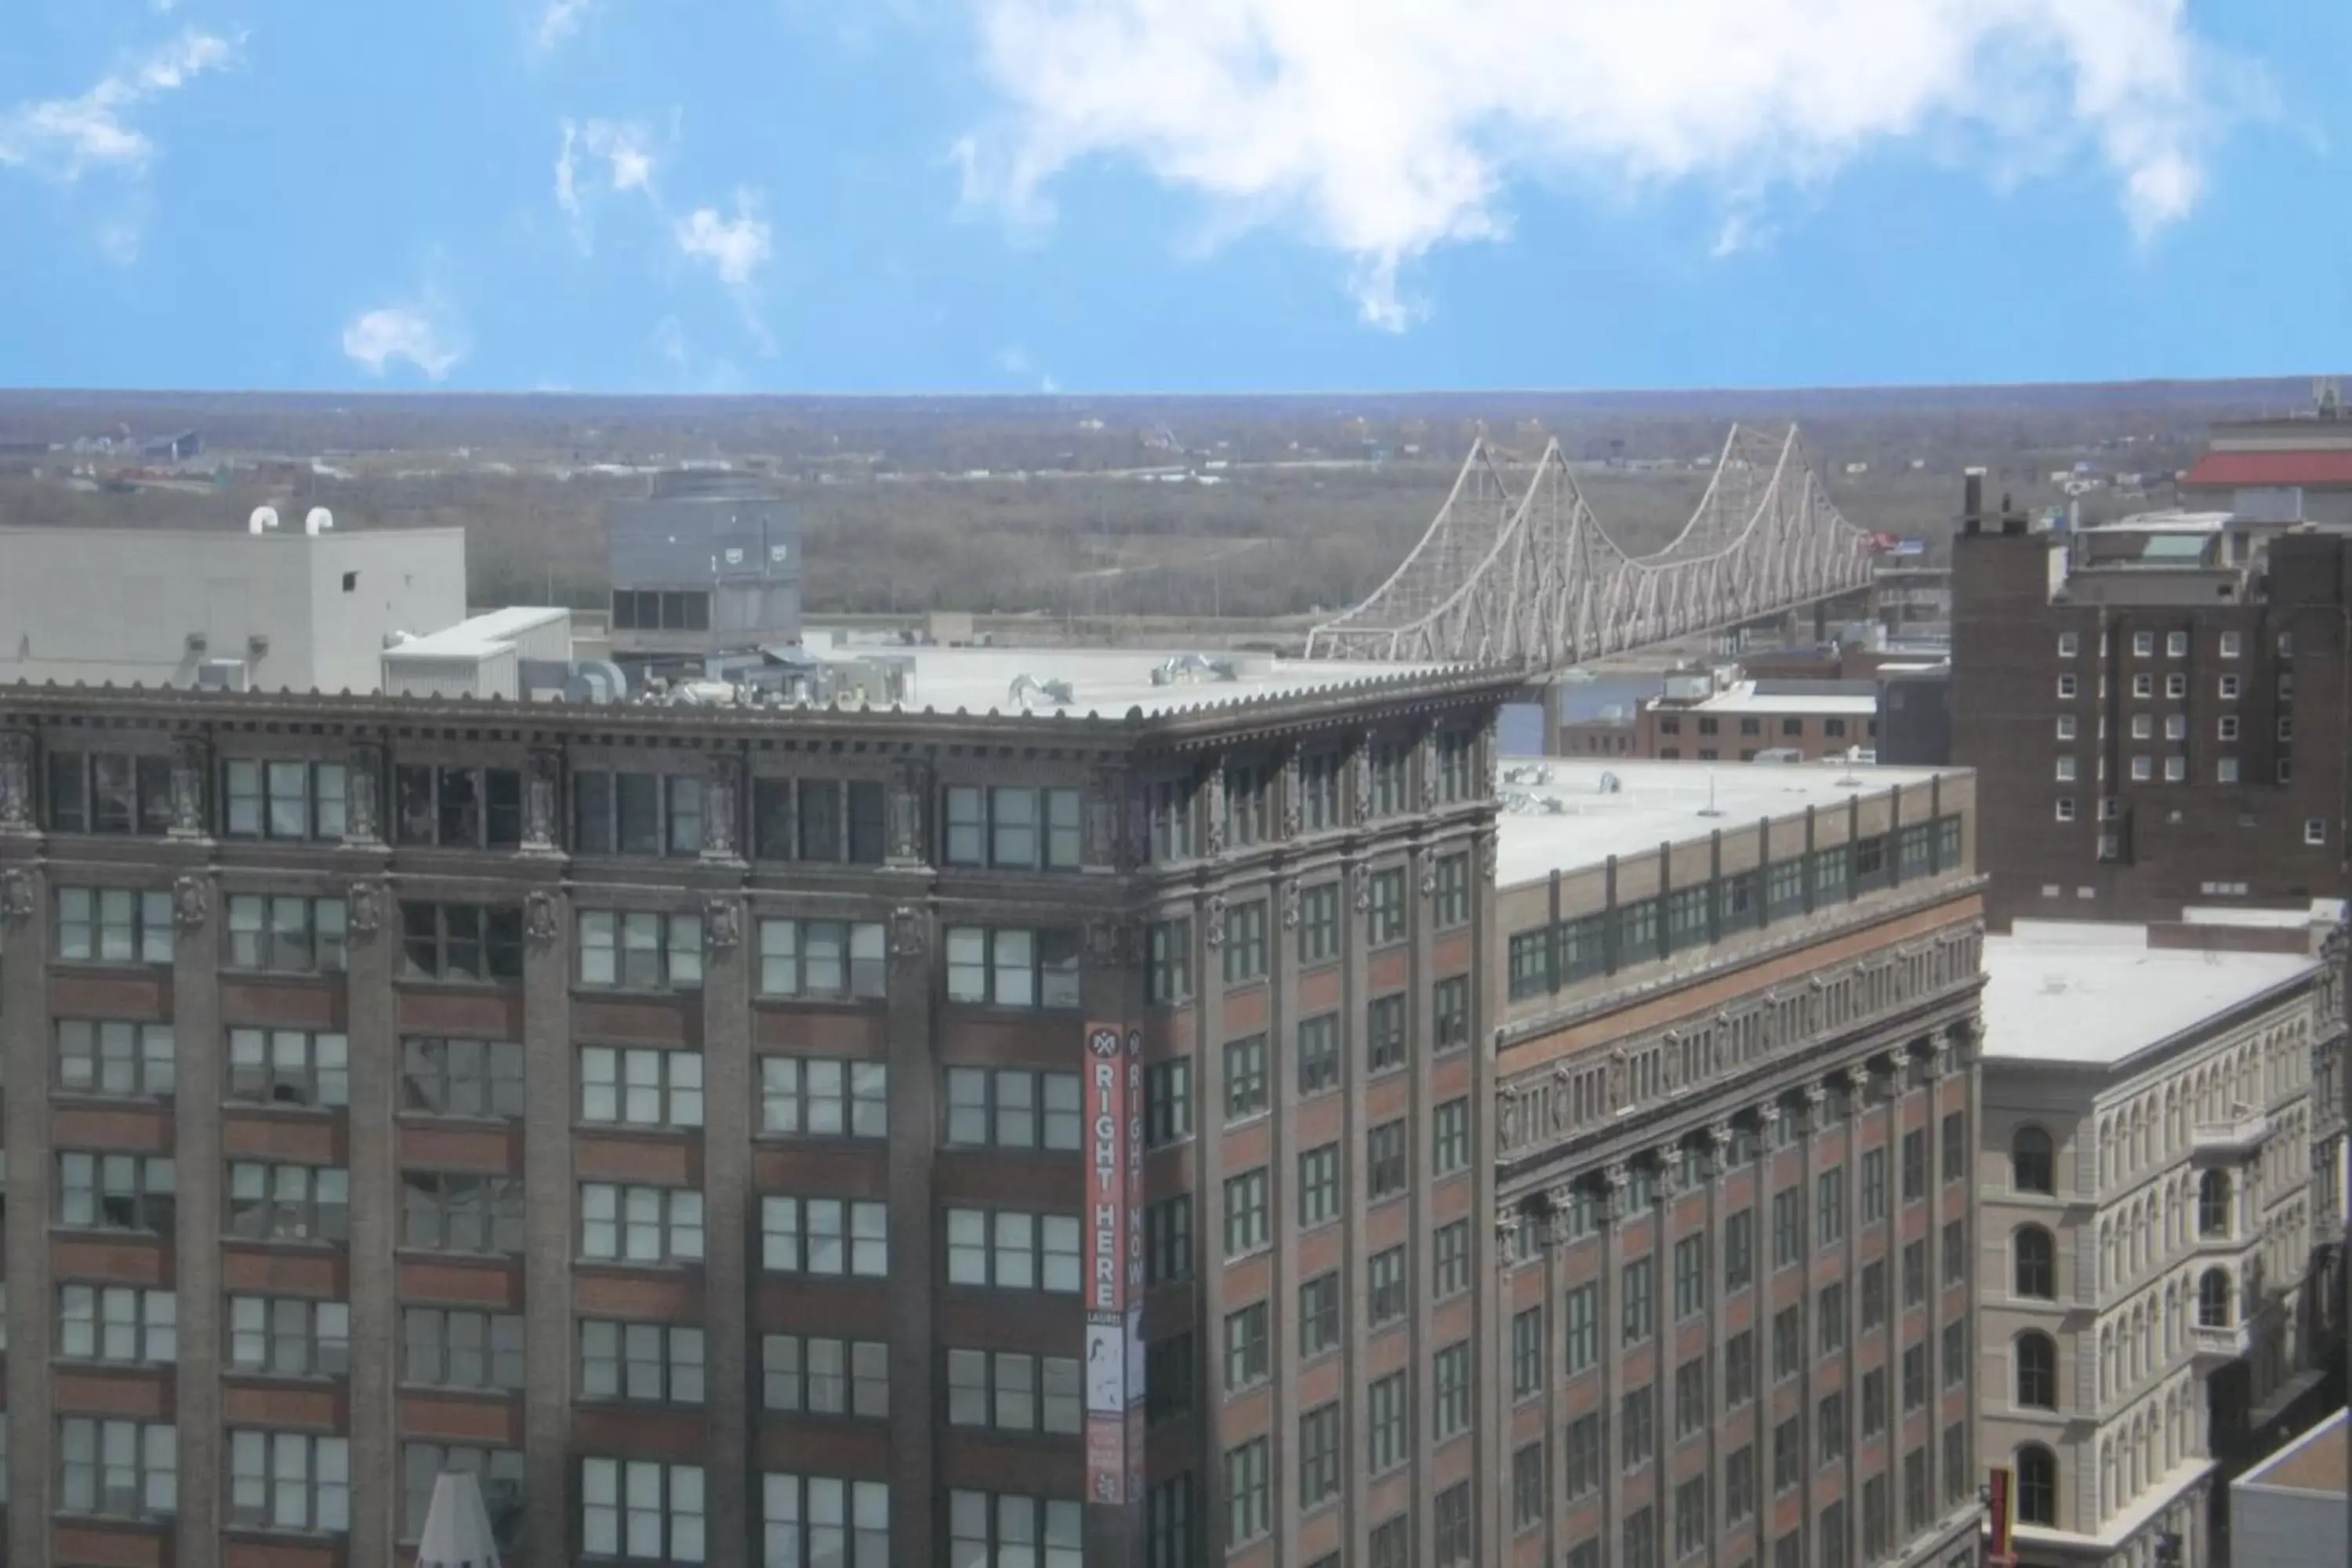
(590, 991)
(460, 988)
(318, 1246)
(458, 1120)
(98, 1098)
(676, 1267)
(315, 976)
(795, 999)
(408, 1252)
(661, 1133)
(621, 1403)
(287, 1111)
(146, 1524)
(283, 1379)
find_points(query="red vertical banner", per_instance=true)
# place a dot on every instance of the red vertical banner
(1111, 1248)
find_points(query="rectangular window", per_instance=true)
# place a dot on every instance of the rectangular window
(1450, 906)
(1739, 1369)
(1246, 1226)
(1956, 1252)
(637, 950)
(294, 800)
(1452, 1414)
(1873, 1185)
(285, 934)
(1788, 1343)
(289, 1203)
(113, 925)
(1691, 1403)
(1914, 1273)
(1451, 1526)
(1247, 1352)
(447, 1348)
(1955, 1147)
(636, 813)
(640, 1224)
(1003, 966)
(813, 1375)
(823, 1097)
(1873, 1402)
(1788, 1453)
(1318, 1315)
(1384, 1032)
(1168, 973)
(1318, 1054)
(1915, 1377)
(1318, 792)
(1690, 1517)
(1248, 1088)
(1637, 1429)
(463, 808)
(1740, 1485)
(1829, 1196)
(1168, 1240)
(461, 1078)
(821, 1520)
(1319, 923)
(1450, 1137)
(1690, 1277)
(655, 1364)
(1319, 1187)
(1637, 1305)
(1013, 1108)
(1387, 1423)
(1583, 1445)
(288, 1480)
(1829, 1428)
(1249, 1491)
(824, 961)
(1449, 1248)
(828, 821)
(1168, 1377)
(118, 1324)
(1874, 1295)
(1384, 1287)
(641, 1509)
(1580, 1311)
(1166, 1102)
(1013, 827)
(1012, 1391)
(470, 942)
(288, 1067)
(1384, 921)
(1829, 1317)
(1738, 1250)
(1245, 943)
(449, 1212)
(1385, 1162)
(640, 1087)
(834, 1238)
(1788, 1227)
(114, 1058)
(1320, 1440)
(1527, 1353)
(1449, 1001)
(1956, 1354)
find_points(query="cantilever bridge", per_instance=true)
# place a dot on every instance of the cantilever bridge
(1533, 581)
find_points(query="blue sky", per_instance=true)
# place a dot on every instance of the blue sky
(1112, 196)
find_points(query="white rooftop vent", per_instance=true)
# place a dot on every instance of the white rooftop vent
(318, 520)
(263, 519)
(457, 1527)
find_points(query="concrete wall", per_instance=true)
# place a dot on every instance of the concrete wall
(2271, 1528)
(96, 605)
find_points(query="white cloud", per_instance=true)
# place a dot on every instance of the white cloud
(1384, 128)
(67, 137)
(628, 156)
(418, 333)
(624, 148)
(735, 248)
(560, 19)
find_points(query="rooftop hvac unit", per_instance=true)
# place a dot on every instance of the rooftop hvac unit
(221, 675)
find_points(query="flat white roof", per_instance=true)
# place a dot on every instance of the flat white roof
(2084, 990)
(2323, 912)
(479, 636)
(1108, 682)
(1742, 697)
(2172, 522)
(1656, 803)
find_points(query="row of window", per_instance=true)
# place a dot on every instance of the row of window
(1640, 931)
(2228, 688)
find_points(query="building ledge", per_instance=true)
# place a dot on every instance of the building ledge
(2232, 1139)
(2170, 1489)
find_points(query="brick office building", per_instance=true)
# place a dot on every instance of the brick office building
(2156, 710)
(1735, 1094)
(687, 1118)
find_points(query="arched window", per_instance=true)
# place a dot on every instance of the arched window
(2213, 1204)
(2037, 1486)
(2029, 1161)
(2037, 1266)
(2037, 1372)
(2213, 1300)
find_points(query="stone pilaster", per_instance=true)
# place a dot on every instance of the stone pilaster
(363, 815)
(914, 1121)
(729, 1223)
(197, 1105)
(374, 1146)
(25, 931)
(549, 1238)
(542, 803)
(18, 753)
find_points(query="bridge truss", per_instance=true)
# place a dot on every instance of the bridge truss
(1535, 581)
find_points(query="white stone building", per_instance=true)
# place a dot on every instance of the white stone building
(2151, 1215)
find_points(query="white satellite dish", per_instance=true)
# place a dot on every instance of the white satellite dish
(318, 522)
(264, 519)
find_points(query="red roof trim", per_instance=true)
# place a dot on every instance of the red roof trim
(2229, 470)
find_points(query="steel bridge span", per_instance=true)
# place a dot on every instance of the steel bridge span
(1533, 580)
